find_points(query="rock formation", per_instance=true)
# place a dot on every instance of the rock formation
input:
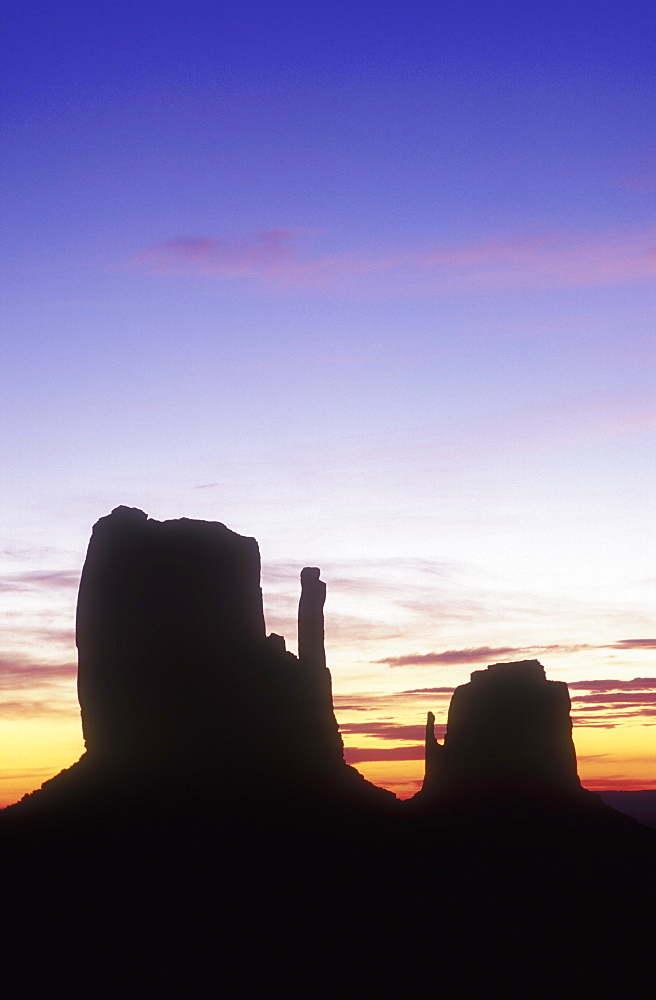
(311, 648)
(212, 833)
(509, 734)
(187, 706)
(166, 612)
(190, 711)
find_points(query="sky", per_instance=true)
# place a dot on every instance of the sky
(373, 283)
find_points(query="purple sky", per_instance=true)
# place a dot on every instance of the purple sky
(372, 282)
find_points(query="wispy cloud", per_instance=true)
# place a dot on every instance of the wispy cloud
(62, 578)
(371, 702)
(608, 703)
(363, 574)
(634, 644)
(623, 783)
(275, 258)
(385, 730)
(637, 684)
(476, 654)
(261, 253)
(451, 657)
(431, 690)
(30, 689)
(30, 709)
(359, 755)
(38, 635)
(488, 654)
(31, 552)
(621, 698)
(18, 672)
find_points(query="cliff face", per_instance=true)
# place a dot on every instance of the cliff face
(509, 733)
(164, 612)
(179, 685)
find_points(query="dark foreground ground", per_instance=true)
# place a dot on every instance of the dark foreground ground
(639, 805)
(508, 905)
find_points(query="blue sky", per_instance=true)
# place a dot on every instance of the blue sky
(373, 283)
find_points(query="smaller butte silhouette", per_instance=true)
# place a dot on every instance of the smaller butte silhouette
(509, 734)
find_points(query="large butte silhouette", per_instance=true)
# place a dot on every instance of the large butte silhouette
(212, 832)
(188, 708)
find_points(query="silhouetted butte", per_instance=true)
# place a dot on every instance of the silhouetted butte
(207, 833)
(509, 734)
(188, 708)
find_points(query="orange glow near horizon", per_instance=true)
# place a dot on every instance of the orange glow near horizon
(618, 758)
(34, 750)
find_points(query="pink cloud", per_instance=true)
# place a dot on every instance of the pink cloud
(33, 709)
(452, 656)
(610, 702)
(488, 654)
(20, 672)
(255, 254)
(606, 711)
(389, 703)
(476, 654)
(634, 644)
(424, 691)
(68, 579)
(617, 784)
(274, 259)
(637, 684)
(358, 755)
(31, 689)
(620, 698)
(387, 730)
